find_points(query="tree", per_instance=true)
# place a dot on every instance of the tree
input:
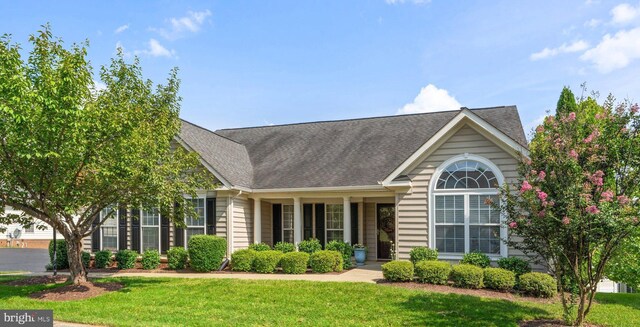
(69, 150)
(577, 198)
(624, 266)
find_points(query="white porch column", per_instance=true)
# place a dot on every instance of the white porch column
(297, 221)
(257, 220)
(347, 219)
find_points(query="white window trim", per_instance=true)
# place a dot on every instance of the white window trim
(433, 192)
(293, 227)
(184, 232)
(147, 226)
(116, 216)
(326, 225)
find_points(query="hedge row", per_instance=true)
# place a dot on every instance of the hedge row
(268, 261)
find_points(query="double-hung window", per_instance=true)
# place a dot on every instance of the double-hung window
(150, 229)
(196, 224)
(109, 229)
(287, 223)
(335, 222)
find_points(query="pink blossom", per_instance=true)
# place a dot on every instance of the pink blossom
(635, 109)
(542, 175)
(542, 196)
(533, 172)
(596, 178)
(599, 116)
(591, 136)
(525, 187)
(513, 224)
(592, 209)
(541, 214)
(540, 129)
(573, 154)
(623, 199)
(566, 220)
(571, 117)
(635, 220)
(607, 196)
(624, 130)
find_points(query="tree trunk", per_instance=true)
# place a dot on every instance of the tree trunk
(581, 308)
(76, 268)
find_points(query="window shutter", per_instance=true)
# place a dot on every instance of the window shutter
(211, 216)
(135, 230)
(277, 223)
(178, 235)
(307, 213)
(320, 223)
(354, 223)
(164, 233)
(122, 228)
(95, 237)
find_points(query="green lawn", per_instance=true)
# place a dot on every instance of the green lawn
(207, 302)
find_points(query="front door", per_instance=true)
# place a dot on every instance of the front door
(386, 230)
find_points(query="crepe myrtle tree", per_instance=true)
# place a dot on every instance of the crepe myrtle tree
(577, 198)
(69, 149)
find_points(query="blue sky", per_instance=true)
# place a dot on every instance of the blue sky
(248, 63)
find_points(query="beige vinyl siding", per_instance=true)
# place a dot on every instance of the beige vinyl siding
(86, 244)
(221, 216)
(242, 222)
(267, 223)
(370, 228)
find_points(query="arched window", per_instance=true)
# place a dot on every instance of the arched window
(463, 219)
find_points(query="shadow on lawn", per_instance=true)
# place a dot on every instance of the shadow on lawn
(462, 310)
(631, 300)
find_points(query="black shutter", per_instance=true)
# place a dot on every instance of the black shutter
(307, 213)
(122, 228)
(277, 223)
(178, 235)
(354, 223)
(135, 230)
(164, 233)
(320, 223)
(95, 237)
(211, 216)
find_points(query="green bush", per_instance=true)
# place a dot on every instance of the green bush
(150, 260)
(86, 259)
(206, 252)
(284, 247)
(345, 249)
(477, 259)
(242, 260)
(538, 284)
(325, 261)
(499, 279)
(398, 271)
(102, 259)
(266, 262)
(433, 272)
(310, 246)
(259, 247)
(421, 253)
(62, 261)
(294, 262)
(177, 258)
(467, 276)
(126, 259)
(517, 265)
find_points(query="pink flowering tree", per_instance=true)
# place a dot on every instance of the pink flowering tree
(577, 200)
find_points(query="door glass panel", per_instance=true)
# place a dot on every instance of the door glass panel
(386, 230)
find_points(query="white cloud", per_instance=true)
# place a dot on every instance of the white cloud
(624, 13)
(156, 49)
(415, 2)
(178, 27)
(616, 51)
(593, 23)
(564, 48)
(121, 29)
(530, 126)
(430, 99)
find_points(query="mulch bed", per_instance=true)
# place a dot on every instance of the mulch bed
(38, 280)
(463, 291)
(548, 323)
(76, 292)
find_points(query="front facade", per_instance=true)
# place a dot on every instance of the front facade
(390, 183)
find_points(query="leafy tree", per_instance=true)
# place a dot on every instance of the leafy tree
(577, 199)
(624, 266)
(69, 150)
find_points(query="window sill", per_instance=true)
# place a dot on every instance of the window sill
(459, 257)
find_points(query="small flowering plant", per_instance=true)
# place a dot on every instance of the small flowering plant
(576, 200)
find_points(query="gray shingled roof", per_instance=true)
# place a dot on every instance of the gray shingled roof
(354, 152)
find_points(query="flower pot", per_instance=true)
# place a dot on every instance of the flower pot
(361, 256)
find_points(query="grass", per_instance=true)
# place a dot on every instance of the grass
(210, 302)
(13, 272)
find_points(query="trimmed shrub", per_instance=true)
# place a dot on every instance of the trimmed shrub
(126, 259)
(325, 261)
(310, 246)
(177, 258)
(517, 265)
(433, 272)
(538, 284)
(284, 247)
(294, 262)
(150, 260)
(266, 262)
(242, 260)
(499, 279)
(467, 276)
(62, 261)
(477, 259)
(421, 253)
(102, 259)
(206, 252)
(259, 247)
(345, 249)
(86, 259)
(398, 271)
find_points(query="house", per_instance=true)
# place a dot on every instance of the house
(391, 183)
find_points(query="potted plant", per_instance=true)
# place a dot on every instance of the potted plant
(360, 252)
